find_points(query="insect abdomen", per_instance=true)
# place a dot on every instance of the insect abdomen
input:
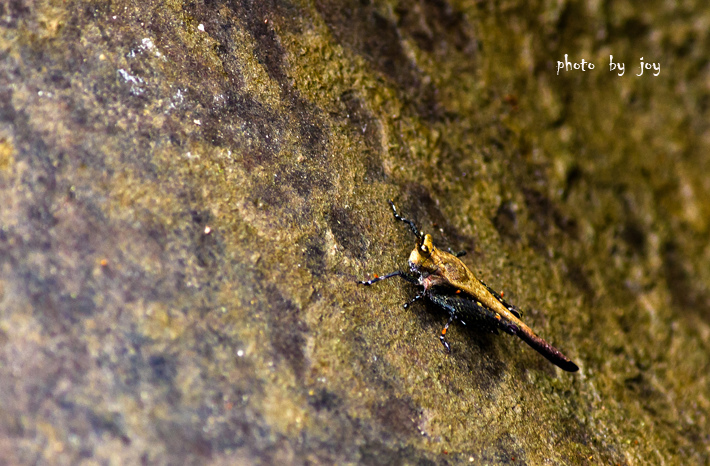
(469, 312)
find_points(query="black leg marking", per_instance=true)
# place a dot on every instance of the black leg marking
(442, 337)
(407, 221)
(457, 254)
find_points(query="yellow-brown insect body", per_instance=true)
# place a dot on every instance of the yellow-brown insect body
(449, 284)
(439, 267)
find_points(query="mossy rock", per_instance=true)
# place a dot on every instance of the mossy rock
(191, 190)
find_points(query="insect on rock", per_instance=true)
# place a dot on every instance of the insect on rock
(447, 283)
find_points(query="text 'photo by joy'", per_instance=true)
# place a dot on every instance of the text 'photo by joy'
(619, 67)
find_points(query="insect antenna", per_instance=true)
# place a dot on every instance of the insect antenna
(411, 224)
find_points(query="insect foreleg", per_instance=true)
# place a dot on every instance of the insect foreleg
(414, 300)
(398, 273)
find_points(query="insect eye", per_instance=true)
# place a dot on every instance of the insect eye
(425, 249)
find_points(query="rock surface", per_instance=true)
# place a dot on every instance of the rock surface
(191, 189)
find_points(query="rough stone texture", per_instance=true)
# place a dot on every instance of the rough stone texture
(189, 191)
